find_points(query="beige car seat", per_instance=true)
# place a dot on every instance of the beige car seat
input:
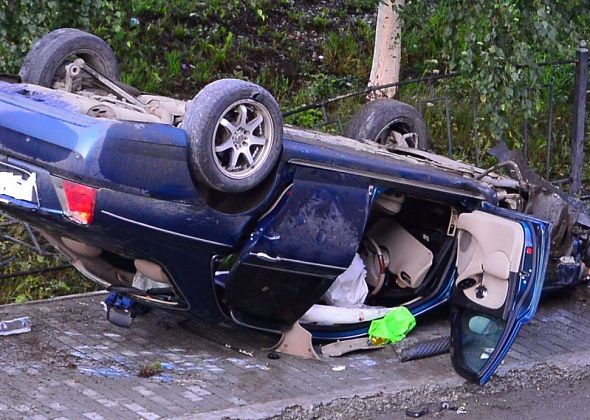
(404, 255)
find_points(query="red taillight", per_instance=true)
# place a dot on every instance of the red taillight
(80, 201)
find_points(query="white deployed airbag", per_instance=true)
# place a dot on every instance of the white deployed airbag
(332, 315)
(350, 289)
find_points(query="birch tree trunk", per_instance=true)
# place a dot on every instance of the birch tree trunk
(387, 53)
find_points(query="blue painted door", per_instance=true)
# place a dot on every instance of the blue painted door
(298, 248)
(501, 261)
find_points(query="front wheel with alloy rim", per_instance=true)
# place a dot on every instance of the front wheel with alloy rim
(235, 132)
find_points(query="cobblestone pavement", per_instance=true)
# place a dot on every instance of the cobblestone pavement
(75, 364)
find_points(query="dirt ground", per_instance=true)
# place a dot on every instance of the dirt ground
(564, 399)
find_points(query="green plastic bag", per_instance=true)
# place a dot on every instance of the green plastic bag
(393, 327)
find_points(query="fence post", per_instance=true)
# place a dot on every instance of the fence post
(579, 117)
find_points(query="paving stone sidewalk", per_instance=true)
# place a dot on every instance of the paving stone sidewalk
(75, 364)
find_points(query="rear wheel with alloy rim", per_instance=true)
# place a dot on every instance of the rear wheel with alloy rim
(235, 131)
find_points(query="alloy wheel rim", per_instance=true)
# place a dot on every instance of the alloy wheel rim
(243, 139)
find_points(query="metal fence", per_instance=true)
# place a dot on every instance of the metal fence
(579, 117)
(22, 235)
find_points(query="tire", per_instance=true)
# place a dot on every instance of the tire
(235, 133)
(46, 59)
(378, 119)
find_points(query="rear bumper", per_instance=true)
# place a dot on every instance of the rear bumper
(121, 238)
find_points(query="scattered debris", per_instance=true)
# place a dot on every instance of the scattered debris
(462, 409)
(148, 371)
(273, 355)
(242, 351)
(15, 326)
(445, 405)
(413, 412)
(427, 348)
(104, 372)
(246, 352)
(338, 368)
(416, 412)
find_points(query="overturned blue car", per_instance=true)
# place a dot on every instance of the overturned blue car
(214, 206)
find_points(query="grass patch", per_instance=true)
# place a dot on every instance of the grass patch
(22, 258)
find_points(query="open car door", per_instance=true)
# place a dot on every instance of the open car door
(501, 262)
(298, 248)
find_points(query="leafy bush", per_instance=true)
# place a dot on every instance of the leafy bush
(498, 46)
(24, 21)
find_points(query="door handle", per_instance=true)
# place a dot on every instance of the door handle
(264, 256)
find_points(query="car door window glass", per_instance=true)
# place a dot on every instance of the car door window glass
(480, 335)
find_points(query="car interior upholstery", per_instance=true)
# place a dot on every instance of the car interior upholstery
(490, 248)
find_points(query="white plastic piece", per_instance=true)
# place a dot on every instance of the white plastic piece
(342, 347)
(332, 315)
(296, 342)
(349, 290)
(17, 187)
(15, 326)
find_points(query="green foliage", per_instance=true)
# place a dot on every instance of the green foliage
(34, 286)
(175, 47)
(24, 21)
(497, 45)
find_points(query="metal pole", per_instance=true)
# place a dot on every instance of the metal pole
(474, 134)
(579, 117)
(449, 128)
(525, 127)
(549, 161)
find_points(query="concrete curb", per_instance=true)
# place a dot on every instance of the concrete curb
(396, 395)
(56, 299)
